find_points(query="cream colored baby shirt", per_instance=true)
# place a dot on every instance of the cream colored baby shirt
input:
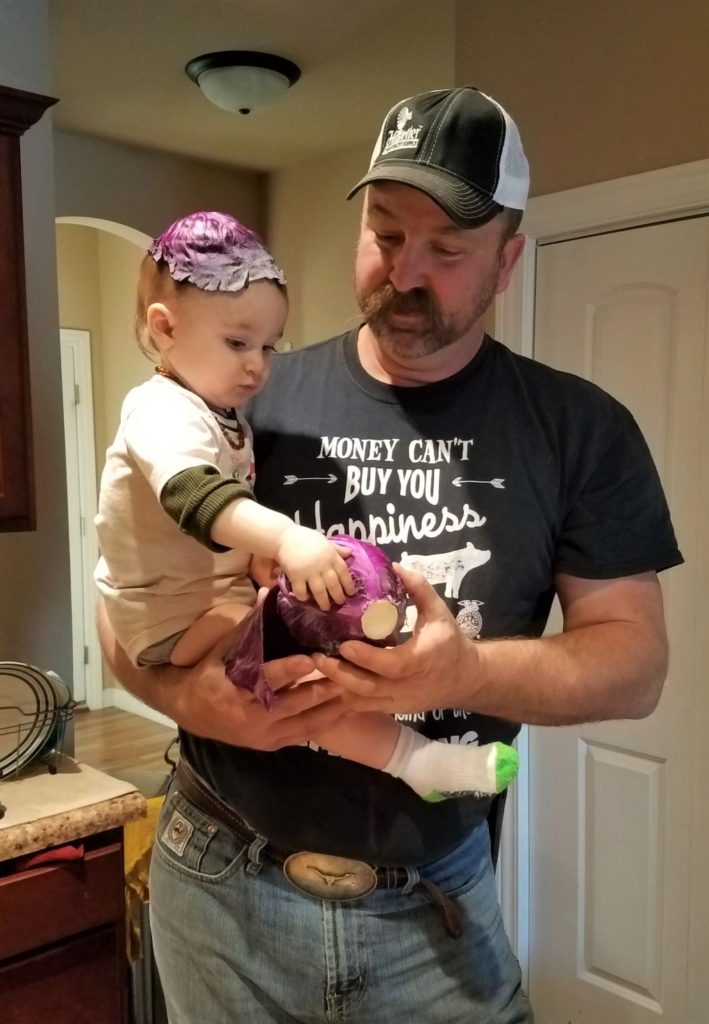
(155, 579)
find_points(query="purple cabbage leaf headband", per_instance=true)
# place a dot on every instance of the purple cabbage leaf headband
(215, 252)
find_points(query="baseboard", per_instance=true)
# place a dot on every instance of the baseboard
(115, 697)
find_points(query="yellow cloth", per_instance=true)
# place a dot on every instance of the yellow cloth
(138, 839)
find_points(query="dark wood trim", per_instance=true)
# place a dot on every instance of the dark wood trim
(19, 110)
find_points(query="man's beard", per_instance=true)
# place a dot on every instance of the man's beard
(436, 330)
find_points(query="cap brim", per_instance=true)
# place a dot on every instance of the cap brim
(466, 206)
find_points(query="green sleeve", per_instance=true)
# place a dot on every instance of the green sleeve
(195, 497)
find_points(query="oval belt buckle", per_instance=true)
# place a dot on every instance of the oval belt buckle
(329, 878)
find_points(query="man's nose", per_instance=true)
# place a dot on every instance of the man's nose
(407, 270)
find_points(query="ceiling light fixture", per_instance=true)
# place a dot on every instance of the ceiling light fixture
(242, 80)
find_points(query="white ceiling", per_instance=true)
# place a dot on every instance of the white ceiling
(119, 71)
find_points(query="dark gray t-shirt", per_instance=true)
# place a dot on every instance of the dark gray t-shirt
(489, 482)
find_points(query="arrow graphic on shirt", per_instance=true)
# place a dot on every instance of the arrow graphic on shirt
(497, 482)
(288, 480)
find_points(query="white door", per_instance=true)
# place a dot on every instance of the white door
(81, 500)
(619, 832)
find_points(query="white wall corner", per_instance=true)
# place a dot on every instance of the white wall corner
(115, 697)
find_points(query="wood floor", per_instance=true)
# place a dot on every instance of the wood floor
(117, 742)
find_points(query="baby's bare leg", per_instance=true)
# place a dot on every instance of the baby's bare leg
(206, 631)
(367, 737)
(434, 769)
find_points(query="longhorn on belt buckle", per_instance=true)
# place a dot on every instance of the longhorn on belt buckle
(329, 878)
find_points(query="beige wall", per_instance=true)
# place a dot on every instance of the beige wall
(599, 90)
(97, 274)
(147, 190)
(312, 229)
(80, 308)
(313, 233)
(35, 623)
(124, 365)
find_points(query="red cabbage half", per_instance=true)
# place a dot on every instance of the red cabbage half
(284, 625)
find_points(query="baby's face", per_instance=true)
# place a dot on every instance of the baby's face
(222, 342)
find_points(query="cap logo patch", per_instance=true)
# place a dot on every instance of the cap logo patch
(402, 137)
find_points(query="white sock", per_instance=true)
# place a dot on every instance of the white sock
(435, 769)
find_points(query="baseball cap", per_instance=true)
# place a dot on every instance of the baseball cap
(460, 147)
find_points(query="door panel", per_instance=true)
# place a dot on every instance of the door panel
(613, 827)
(74, 517)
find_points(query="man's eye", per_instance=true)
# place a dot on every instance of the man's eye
(441, 251)
(386, 239)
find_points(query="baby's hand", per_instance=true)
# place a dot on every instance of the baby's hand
(313, 563)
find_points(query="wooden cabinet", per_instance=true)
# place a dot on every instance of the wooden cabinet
(18, 111)
(62, 939)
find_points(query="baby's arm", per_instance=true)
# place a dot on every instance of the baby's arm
(175, 445)
(311, 562)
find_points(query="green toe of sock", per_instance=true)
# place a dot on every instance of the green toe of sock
(434, 797)
(506, 765)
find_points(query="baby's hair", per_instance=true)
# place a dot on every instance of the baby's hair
(210, 251)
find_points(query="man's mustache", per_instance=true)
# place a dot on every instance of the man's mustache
(387, 300)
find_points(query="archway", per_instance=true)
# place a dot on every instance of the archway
(97, 268)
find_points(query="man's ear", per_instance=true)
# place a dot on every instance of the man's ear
(161, 326)
(511, 252)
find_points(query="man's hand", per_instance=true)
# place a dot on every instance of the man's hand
(204, 701)
(424, 672)
(209, 705)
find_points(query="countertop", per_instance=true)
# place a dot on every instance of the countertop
(44, 810)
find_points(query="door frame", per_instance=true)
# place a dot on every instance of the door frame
(84, 597)
(662, 195)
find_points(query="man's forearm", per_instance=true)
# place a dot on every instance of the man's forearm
(610, 661)
(593, 673)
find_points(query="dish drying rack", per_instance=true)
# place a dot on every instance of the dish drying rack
(53, 721)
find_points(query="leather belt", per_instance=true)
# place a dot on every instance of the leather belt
(320, 875)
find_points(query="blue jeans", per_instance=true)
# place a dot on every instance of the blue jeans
(235, 942)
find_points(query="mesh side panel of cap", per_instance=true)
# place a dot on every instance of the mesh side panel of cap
(513, 183)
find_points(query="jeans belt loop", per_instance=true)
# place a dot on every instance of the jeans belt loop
(412, 881)
(254, 855)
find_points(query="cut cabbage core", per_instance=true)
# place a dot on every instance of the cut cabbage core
(380, 619)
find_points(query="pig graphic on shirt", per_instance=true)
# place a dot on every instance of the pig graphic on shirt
(447, 567)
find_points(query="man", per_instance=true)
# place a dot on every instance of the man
(502, 482)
